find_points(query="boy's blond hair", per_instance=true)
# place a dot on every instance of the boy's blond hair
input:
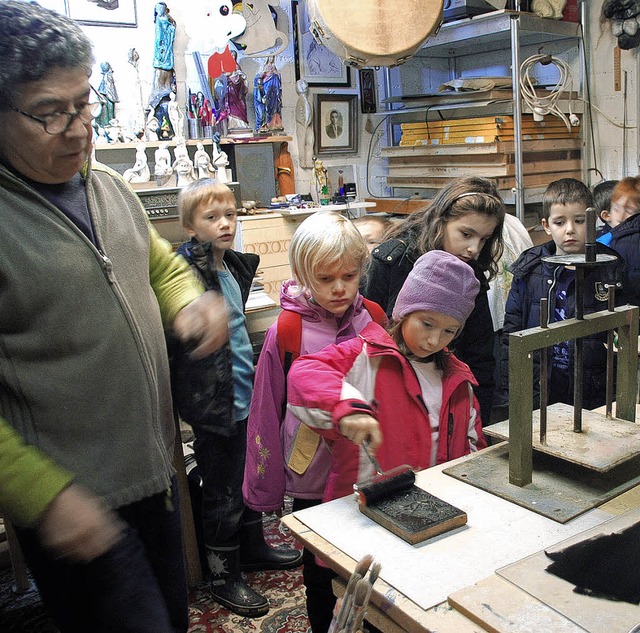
(323, 240)
(203, 191)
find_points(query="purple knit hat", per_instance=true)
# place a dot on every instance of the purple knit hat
(439, 282)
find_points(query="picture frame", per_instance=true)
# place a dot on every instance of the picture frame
(315, 63)
(336, 124)
(96, 14)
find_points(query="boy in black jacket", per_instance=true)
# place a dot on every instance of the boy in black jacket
(564, 205)
(232, 533)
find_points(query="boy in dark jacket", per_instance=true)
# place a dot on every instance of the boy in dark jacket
(564, 219)
(623, 218)
(232, 533)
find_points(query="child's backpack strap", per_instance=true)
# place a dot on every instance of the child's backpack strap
(289, 337)
(376, 312)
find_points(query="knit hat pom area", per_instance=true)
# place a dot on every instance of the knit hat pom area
(439, 282)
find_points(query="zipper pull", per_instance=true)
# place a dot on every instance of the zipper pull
(107, 267)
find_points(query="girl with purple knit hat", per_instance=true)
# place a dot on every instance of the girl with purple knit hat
(399, 390)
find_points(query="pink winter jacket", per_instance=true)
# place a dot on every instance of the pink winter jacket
(325, 387)
(273, 468)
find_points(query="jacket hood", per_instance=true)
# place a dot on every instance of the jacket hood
(628, 227)
(295, 299)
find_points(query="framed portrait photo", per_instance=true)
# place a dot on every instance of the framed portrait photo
(336, 124)
(315, 63)
(103, 13)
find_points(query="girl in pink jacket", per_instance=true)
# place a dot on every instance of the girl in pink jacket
(400, 391)
(284, 457)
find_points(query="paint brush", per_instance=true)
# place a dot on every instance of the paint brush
(360, 570)
(356, 613)
(373, 576)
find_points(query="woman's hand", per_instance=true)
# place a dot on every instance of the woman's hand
(78, 527)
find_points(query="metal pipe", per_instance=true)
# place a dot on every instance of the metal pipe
(517, 113)
(611, 304)
(544, 372)
(577, 356)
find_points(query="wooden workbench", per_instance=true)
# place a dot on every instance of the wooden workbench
(497, 535)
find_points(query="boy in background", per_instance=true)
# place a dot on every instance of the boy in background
(232, 533)
(623, 218)
(602, 202)
(372, 228)
(564, 219)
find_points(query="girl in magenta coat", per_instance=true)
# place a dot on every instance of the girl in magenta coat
(399, 391)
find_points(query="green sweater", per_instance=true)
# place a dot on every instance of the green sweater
(84, 379)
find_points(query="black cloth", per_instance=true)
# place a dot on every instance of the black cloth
(606, 566)
(391, 263)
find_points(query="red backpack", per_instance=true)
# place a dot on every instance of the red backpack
(290, 331)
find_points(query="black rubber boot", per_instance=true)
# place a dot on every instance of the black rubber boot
(256, 554)
(228, 587)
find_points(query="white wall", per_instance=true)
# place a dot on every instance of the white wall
(113, 44)
(608, 105)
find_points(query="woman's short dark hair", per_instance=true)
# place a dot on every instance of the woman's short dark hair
(34, 41)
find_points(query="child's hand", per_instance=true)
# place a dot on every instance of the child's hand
(359, 427)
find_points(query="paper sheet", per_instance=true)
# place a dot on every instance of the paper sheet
(497, 533)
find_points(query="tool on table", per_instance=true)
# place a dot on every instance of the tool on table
(383, 484)
(392, 500)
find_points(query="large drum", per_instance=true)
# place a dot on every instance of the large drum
(366, 33)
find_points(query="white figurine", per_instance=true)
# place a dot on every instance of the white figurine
(176, 116)
(183, 166)
(202, 162)
(162, 169)
(140, 170)
(181, 147)
(151, 128)
(220, 162)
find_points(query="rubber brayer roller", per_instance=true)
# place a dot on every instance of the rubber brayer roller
(383, 484)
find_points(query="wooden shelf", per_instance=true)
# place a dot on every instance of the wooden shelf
(193, 142)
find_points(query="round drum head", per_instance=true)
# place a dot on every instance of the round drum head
(374, 32)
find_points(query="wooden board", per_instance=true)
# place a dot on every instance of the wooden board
(501, 607)
(448, 170)
(482, 148)
(533, 180)
(592, 614)
(414, 515)
(560, 490)
(603, 443)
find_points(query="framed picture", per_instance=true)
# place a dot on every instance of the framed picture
(315, 63)
(103, 13)
(336, 124)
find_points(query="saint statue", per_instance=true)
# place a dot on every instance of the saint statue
(107, 89)
(236, 104)
(268, 90)
(165, 32)
(304, 125)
